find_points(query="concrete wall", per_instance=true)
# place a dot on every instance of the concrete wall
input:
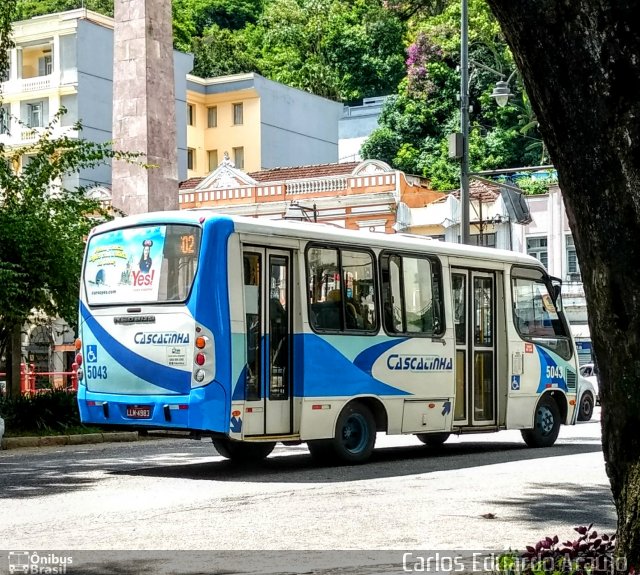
(182, 65)
(355, 126)
(297, 128)
(94, 51)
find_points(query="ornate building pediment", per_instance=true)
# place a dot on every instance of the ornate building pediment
(99, 193)
(226, 176)
(371, 167)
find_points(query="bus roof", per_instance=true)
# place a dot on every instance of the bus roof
(320, 232)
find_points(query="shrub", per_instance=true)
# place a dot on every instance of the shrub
(589, 554)
(50, 411)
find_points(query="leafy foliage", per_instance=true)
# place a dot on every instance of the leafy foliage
(220, 52)
(7, 16)
(30, 8)
(54, 410)
(43, 224)
(589, 554)
(334, 48)
(415, 125)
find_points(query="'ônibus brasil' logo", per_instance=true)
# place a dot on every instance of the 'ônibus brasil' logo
(419, 363)
(160, 338)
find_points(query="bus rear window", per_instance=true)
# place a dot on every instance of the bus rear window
(150, 264)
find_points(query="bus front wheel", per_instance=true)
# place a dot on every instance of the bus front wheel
(585, 411)
(546, 424)
(241, 452)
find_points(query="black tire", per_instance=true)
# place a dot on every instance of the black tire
(547, 424)
(433, 440)
(585, 411)
(242, 452)
(354, 440)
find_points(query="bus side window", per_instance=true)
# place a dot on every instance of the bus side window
(535, 316)
(412, 299)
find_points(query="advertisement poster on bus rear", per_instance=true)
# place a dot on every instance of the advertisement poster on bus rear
(125, 266)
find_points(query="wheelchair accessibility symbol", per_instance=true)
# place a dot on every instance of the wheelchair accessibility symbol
(515, 382)
(92, 353)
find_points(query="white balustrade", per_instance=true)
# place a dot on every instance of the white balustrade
(312, 186)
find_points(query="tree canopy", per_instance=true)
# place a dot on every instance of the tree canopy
(416, 122)
(43, 224)
(347, 50)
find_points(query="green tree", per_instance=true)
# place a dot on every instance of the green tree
(334, 48)
(229, 14)
(221, 51)
(42, 229)
(426, 109)
(29, 8)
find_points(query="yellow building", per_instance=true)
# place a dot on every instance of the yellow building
(260, 124)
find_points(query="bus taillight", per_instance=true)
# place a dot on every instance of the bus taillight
(201, 342)
(79, 359)
(200, 358)
(78, 344)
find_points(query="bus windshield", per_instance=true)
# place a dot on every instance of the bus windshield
(146, 264)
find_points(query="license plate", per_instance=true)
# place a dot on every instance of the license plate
(139, 411)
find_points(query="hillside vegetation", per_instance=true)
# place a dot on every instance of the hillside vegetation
(347, 50)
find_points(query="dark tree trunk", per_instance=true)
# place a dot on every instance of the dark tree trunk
(580, 61)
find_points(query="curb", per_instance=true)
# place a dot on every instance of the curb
(81, 439)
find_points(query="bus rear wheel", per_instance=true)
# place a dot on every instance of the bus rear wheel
(546, 424)
(354, 439)
(433, 439)
(242, 452)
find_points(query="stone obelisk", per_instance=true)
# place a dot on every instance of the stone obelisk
(144, 118)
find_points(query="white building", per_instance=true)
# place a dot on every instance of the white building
(548, 238)
(356, 125)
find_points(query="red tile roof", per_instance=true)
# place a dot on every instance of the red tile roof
(303, 172)
(480, 191)
(190, 184)
(287, 174)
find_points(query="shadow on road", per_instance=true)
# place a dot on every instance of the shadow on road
(568, 503)
(385, 462)
(63, 471)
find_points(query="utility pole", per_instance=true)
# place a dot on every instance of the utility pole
(464, 122)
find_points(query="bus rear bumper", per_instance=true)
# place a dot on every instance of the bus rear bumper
(203, 409)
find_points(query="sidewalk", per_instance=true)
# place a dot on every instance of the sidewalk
(80, 439)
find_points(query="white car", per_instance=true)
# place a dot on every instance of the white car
(588, 371)
(588, 392)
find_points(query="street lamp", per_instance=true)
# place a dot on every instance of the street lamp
(501, 92)
(459, 146)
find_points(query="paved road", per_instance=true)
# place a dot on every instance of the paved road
(479, 492)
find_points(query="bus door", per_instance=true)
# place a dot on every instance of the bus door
(474, 322)
(268, 305)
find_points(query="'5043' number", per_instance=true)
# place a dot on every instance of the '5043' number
(555, 372)
(96, 372)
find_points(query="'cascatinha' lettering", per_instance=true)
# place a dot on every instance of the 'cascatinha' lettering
(419, 363)
(160, 338)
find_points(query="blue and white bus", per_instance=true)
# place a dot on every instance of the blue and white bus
(256, 331)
